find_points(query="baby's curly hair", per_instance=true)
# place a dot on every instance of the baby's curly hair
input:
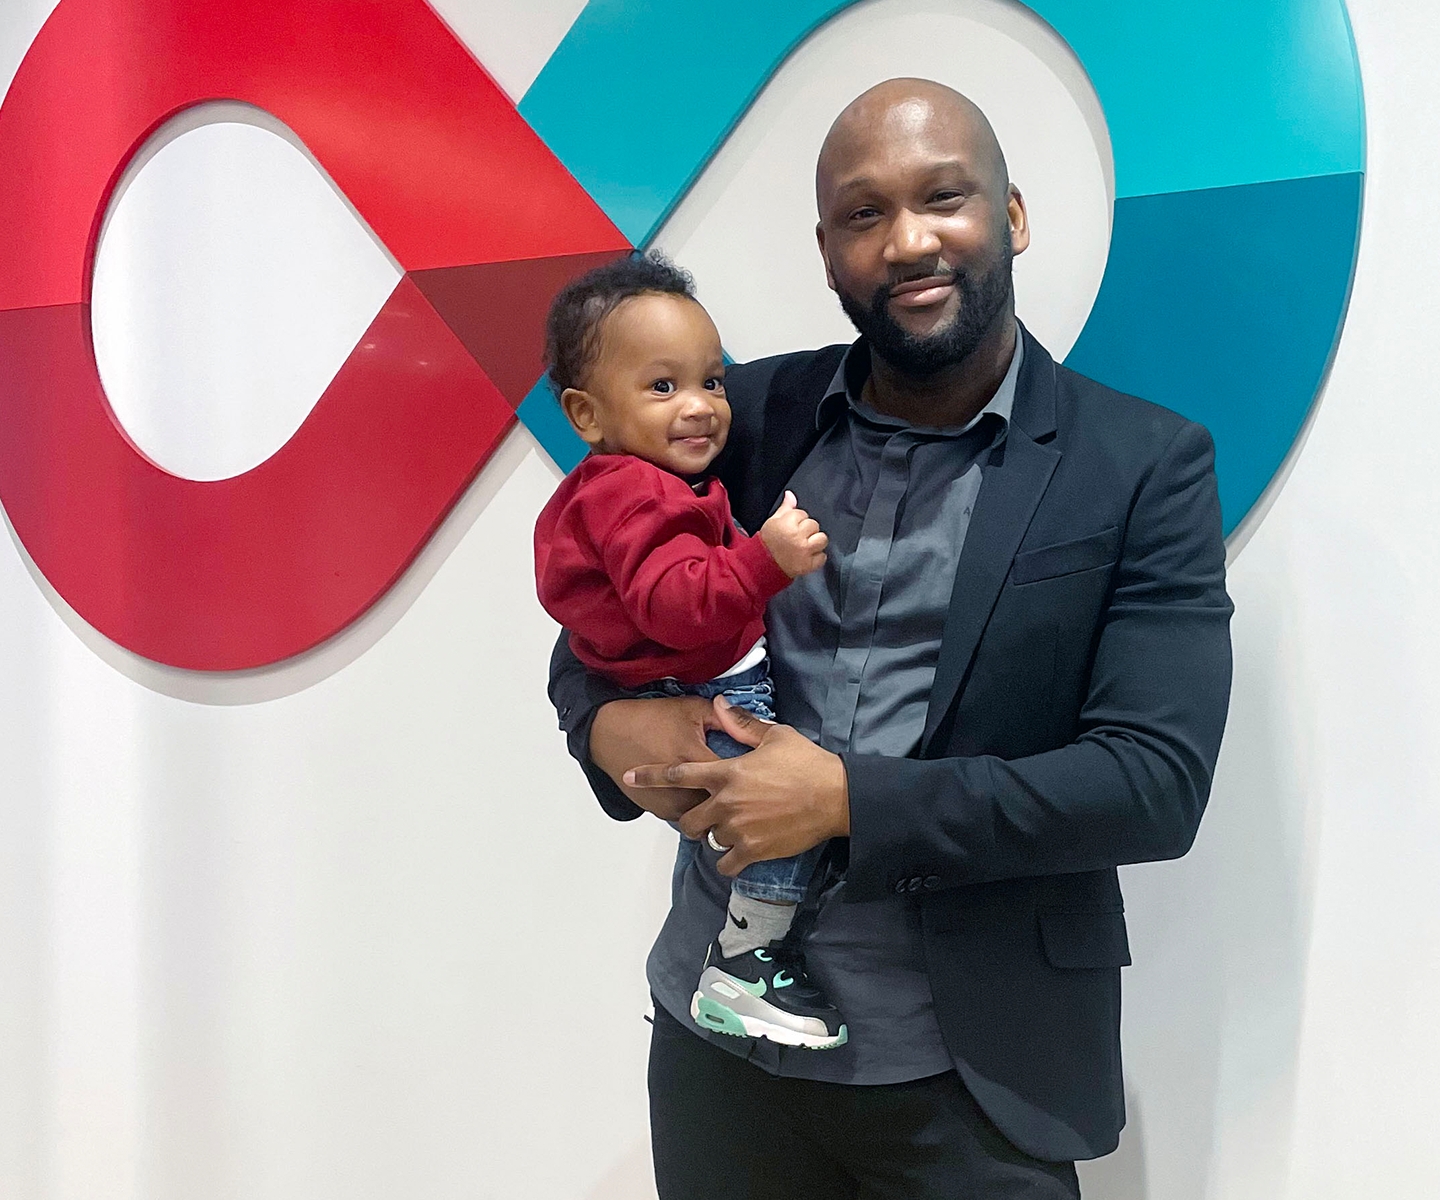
(572, 330)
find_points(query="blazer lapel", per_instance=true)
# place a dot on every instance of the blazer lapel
(789, 431)
(1014, 481)
(789, 437)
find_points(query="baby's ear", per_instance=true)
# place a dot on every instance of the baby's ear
(579, 408)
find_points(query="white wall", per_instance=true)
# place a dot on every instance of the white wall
(261, 937)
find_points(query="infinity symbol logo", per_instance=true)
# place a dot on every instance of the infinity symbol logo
(486, 222)
(1238, 133)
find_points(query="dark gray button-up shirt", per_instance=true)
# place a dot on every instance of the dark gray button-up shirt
(853, 652)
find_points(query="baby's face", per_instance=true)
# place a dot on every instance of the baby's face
(658, 384)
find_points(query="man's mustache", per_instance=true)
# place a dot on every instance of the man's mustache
(880, 299)
(938, 271)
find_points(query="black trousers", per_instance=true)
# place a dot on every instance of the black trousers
(725, 1130)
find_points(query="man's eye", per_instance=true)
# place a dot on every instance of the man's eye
(948, 195)
(864, 214)
(663, 386)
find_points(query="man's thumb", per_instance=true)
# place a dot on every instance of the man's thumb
(745, 727)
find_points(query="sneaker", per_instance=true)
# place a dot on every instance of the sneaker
(765, 993)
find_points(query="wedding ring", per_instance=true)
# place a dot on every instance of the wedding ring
(714, 845)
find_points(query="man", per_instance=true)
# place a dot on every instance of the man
(1011, 677)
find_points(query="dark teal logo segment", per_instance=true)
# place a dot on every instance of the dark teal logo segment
(1238, 134)
(1225, 304)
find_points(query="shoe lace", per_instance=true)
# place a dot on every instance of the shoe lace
(785, 955)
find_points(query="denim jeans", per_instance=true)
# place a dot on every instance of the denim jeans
(784, 879)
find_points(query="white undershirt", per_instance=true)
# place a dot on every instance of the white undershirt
(753, 658)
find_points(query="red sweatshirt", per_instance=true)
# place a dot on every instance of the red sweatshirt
(651, 579)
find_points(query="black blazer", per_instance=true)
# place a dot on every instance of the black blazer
(1076, 715)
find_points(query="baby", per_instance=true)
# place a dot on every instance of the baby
(638, 556)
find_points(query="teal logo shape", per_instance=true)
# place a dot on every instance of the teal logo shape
(1238, 131)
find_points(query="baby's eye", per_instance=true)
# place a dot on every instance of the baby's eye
(714, 384)
(663, 387)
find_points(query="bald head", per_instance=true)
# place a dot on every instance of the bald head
(905, 115)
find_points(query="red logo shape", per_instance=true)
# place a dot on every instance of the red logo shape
(486, 222)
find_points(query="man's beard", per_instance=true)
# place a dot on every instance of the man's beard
(981, 300)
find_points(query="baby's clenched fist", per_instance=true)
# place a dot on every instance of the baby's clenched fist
(794, 539)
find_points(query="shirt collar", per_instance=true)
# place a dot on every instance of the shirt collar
(854, 369)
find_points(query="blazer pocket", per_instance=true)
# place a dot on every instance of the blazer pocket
(1085, 940)
(1067, 558)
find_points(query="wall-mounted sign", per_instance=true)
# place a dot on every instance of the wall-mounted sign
(1238, 135)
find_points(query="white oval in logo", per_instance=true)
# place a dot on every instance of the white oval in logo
(232, 281)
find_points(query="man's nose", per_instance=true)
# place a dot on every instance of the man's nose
(912, 239)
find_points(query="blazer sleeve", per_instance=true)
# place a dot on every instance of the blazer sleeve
(578, 695)
(1133, 784)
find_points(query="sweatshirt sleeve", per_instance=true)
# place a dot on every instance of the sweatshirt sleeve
(679, 589)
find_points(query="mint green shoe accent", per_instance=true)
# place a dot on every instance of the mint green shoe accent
(780, 980)
(710, 1014)
(762, 956)
(755, 989)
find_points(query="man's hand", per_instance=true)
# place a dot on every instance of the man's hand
(794, 539)
(779, 800)
(672, 729)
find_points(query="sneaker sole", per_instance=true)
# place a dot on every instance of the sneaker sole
(711, 1014)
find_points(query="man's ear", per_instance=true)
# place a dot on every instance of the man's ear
(824, 258)
(1019, 221)
(579, 407)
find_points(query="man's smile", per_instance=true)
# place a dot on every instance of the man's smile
(921, 293)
